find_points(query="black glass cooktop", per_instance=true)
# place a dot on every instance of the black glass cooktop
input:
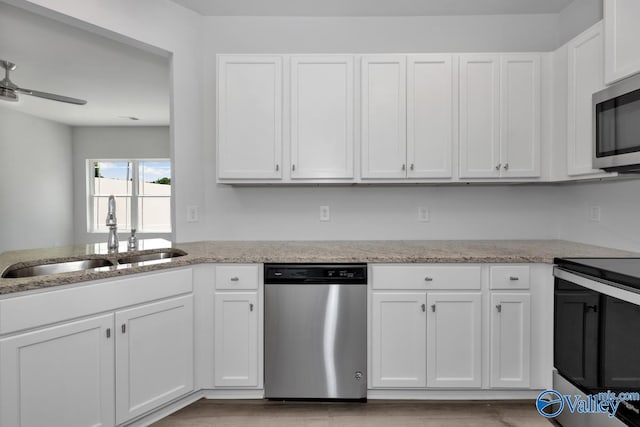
(625, 271)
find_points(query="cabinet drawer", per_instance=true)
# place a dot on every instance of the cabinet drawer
(237, 276)
(509, 277)
(426, 276)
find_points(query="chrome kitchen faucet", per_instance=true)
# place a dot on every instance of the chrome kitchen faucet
(112, 223)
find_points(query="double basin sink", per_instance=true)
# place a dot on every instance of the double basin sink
(117, 260)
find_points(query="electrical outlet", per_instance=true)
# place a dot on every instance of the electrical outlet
(423, 214)
(594, 213)
(192, 213)
(325, 213)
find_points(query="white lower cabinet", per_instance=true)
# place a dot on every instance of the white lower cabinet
(454, 336)
(59, 376)
(460, 326)
(398, 339)
(100, 371)
(154, 355)
(510, 339)
(236, 339)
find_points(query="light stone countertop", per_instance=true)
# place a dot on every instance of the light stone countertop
(383, 251)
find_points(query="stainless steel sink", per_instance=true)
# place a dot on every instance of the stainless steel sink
(17, 271)
(154, 256)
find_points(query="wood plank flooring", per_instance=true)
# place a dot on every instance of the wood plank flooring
(375, 413)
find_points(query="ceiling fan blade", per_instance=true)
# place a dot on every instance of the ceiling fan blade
(51, 96)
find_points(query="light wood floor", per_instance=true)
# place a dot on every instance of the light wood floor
(259, 413)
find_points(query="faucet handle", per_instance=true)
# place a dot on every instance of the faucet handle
(133, 240)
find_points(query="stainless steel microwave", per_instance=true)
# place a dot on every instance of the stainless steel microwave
(616, 127)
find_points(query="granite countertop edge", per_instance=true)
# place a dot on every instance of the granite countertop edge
(393, 251)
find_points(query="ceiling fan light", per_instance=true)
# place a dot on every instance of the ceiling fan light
(8, 95)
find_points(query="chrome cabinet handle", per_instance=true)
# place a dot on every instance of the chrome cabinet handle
(411, 167)
(433, 308)
(506, 166)
(498, 166)
(428, 279)
(277, 167)
(250, 307)
(293, 168)
(235, 279)
(514, 278)
(499, 308)
(108, 332)
(124, 328)
(404, 167)
(424, 307)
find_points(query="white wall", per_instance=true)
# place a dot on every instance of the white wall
(122, 142)
(358, 212)
(619, 224)
(577, 17)
(158, 25)
(36, 182)
(375, 212)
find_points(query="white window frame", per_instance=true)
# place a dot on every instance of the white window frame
(135, 194)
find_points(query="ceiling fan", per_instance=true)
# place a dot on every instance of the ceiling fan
(9, 91)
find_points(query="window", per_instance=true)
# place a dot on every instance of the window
(142, 189)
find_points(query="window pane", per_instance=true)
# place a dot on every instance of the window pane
(154, 214)
(112, 178)
(123, 213)
(155, 178)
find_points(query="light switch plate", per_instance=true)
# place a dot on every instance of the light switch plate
(594, 213)
(423, 214)
(192, 213)
(325, 213)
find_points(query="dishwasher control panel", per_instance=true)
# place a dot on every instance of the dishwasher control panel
(315, 273)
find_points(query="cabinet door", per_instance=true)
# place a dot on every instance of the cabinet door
(384, 118)
(236, 339)
(585, 78)
(249, 117)
(431, 80)
(622, 51)
(520, 115)
(154, 355)
(575, 349)
(398, 335)
(510, 340)
(479, 116)
(59, 376)
(322, 116)
(454, 336)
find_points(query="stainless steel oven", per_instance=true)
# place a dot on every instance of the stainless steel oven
(616, 126)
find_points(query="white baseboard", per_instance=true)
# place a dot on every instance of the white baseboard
(452, 394)
(233, 394)
(165, 411)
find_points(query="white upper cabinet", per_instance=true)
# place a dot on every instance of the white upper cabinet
(520, 115)
(479, 116)
(322, 117)
(407, 116)
(500, 116)
(431, 100)
(586, 76)
(249, 117)
(384, 116)
(621, 36)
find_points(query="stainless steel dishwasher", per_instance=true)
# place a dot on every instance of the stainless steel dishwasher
(315, 331)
